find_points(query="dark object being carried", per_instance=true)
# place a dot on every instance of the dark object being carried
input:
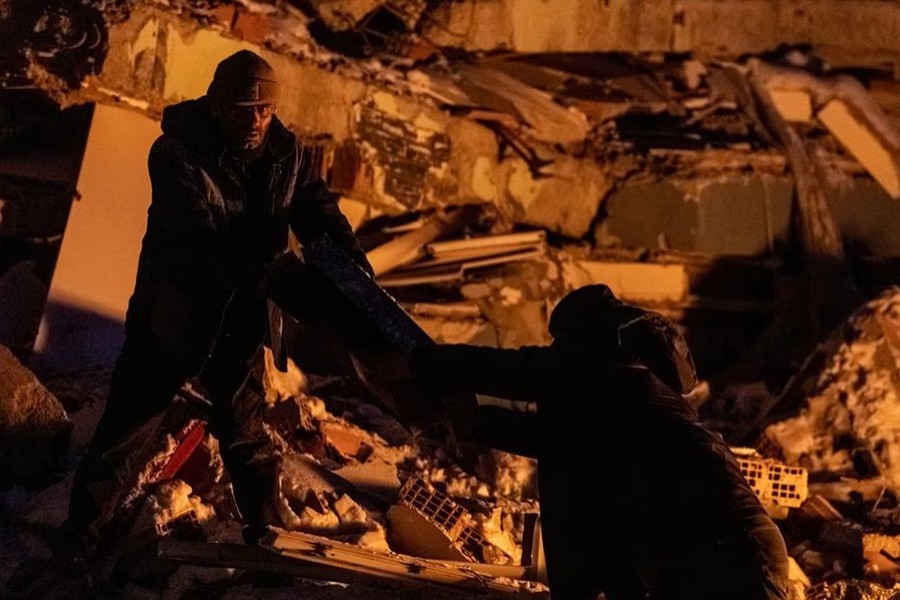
(373, 325)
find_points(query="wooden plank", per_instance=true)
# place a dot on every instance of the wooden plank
(527, 237)
(324, 551)
(410, 247)
(475, 254)
(253, 558)
(444, 274)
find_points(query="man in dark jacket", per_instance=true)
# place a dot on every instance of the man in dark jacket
(229, 183)
(638, 500)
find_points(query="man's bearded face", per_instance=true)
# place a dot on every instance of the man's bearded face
(245, 127)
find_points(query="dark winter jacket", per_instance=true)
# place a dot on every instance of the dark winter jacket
(635, 494)
(214, 226)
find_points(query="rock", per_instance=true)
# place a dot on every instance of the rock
(566, 201)
(34, 426)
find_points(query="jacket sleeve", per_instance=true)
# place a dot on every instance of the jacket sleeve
(516, 374)
(315, 211)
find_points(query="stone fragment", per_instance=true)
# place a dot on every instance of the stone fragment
(565, 202)
(34, 426)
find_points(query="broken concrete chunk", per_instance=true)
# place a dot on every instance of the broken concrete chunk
(412, 533)
(818, 507)
(477, 332)
(313, 499)
(632, 281)
(171, 506)
(281, 386)
(849, 491)
(881, 553)
(863, 140)
(474, 158)
(355, 211)
(344, 440)
(548, 121)
(794, 105)
(34, 426)
(426, 522)
(376, 477)
(566, 202)
(798, 582)
(344, 14)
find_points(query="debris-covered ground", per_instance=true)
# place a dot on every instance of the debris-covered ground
(341, 465)
(737, 182)
(353, 484)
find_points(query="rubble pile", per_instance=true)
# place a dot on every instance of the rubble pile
(491, 157)
(845, 433)
(572, 141)
(850, 423)
(342, 485)
(335, 481)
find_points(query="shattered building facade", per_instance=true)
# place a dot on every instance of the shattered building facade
(732, 164)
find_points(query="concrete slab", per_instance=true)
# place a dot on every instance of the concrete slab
(97, 264)
(860, 137)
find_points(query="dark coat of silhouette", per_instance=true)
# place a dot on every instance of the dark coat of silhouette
(638, 499)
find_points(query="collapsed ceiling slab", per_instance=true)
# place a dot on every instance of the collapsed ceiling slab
(722, 29)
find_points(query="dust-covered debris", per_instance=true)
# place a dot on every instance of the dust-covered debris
(850, 421)
(406, 120)
(853, 590)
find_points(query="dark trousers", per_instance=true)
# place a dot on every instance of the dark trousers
(145, 380)
(143, 383)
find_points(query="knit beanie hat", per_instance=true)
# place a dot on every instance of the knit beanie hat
(243, 79)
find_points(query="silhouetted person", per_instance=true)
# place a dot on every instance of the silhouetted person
(637, 498)
(229, 181)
